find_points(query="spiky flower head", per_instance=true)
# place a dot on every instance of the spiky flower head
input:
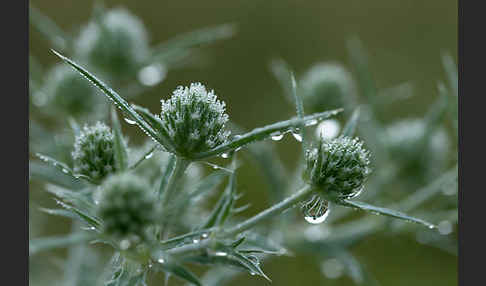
(194, 120)
(69, 92)
(327, 86)
(338, 167)
(116, 43)
(93, 153)
(126, 206)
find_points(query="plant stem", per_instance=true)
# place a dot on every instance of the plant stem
(270, 212)
(266, 214)
(170, 188)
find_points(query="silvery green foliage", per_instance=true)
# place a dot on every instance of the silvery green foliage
(126, 205)
(116, 43)
(327, 86)
(194, 119)
(338, 167)
(93, 153)
(68, 92)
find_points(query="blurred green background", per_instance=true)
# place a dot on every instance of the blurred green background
(404, 40)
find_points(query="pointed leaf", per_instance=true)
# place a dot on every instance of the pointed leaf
(115, 98)
(180, 271)
(350, 127)
(383, 211)
(261, 133)
(62, 167)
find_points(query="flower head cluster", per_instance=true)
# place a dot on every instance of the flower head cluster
(126, 205)
(116, 44)
(194, 120)
(70, 92)
(93, 153)
(338, 167)
(327, 86)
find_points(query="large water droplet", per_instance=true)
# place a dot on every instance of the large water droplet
(316, 210)
(225, 155)
(129, 121)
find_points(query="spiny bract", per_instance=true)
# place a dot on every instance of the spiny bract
(338, 167)
(126, 206)
(327, 86)
(93, 153)
(116, 44)
(194, 120)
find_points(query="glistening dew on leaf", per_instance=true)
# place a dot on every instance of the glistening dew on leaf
(338, 167)
(126, 205)
(194, 120)
(93, 153)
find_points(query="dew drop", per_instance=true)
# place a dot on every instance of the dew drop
(317, 219)
(129, 121)
(149, 155)
(238, 149)
(220, 253)
(204, 235)
(65, 171)
(160, 260)
(297, 136)
(195, 240)
(225, 155)
(316, 210)
(277, 136)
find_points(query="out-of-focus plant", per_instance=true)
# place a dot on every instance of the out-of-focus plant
(149, 204)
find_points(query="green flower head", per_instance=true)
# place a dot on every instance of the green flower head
(194, 120)
(115, 44)
(126, 206)
(338, 167)
(93, 153)
(327, 86)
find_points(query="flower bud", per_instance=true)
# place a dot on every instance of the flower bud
(194, 119)
(93, 153)
(126, 206)
(115, 44)
(69, 92)
(327, 86)
(338, 167)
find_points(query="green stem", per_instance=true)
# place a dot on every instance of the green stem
(168, 191)
(270, 212)
(247, 224)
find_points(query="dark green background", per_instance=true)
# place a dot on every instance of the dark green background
(404, 40)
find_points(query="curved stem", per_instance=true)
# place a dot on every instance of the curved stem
(270, 212)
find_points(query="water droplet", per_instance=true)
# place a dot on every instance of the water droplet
(238, 149)
(297, 136)
(149, 155)
(311, 122)
(277, 136)
(332, 268)
(220, 253)
(316, 210)
(65, 171)
(328, 129)
(225, 155)
(252, 273)
(195, 240)
(160, 260)
(204, 235)
(129, 121)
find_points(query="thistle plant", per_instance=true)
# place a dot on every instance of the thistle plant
(138, 212)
